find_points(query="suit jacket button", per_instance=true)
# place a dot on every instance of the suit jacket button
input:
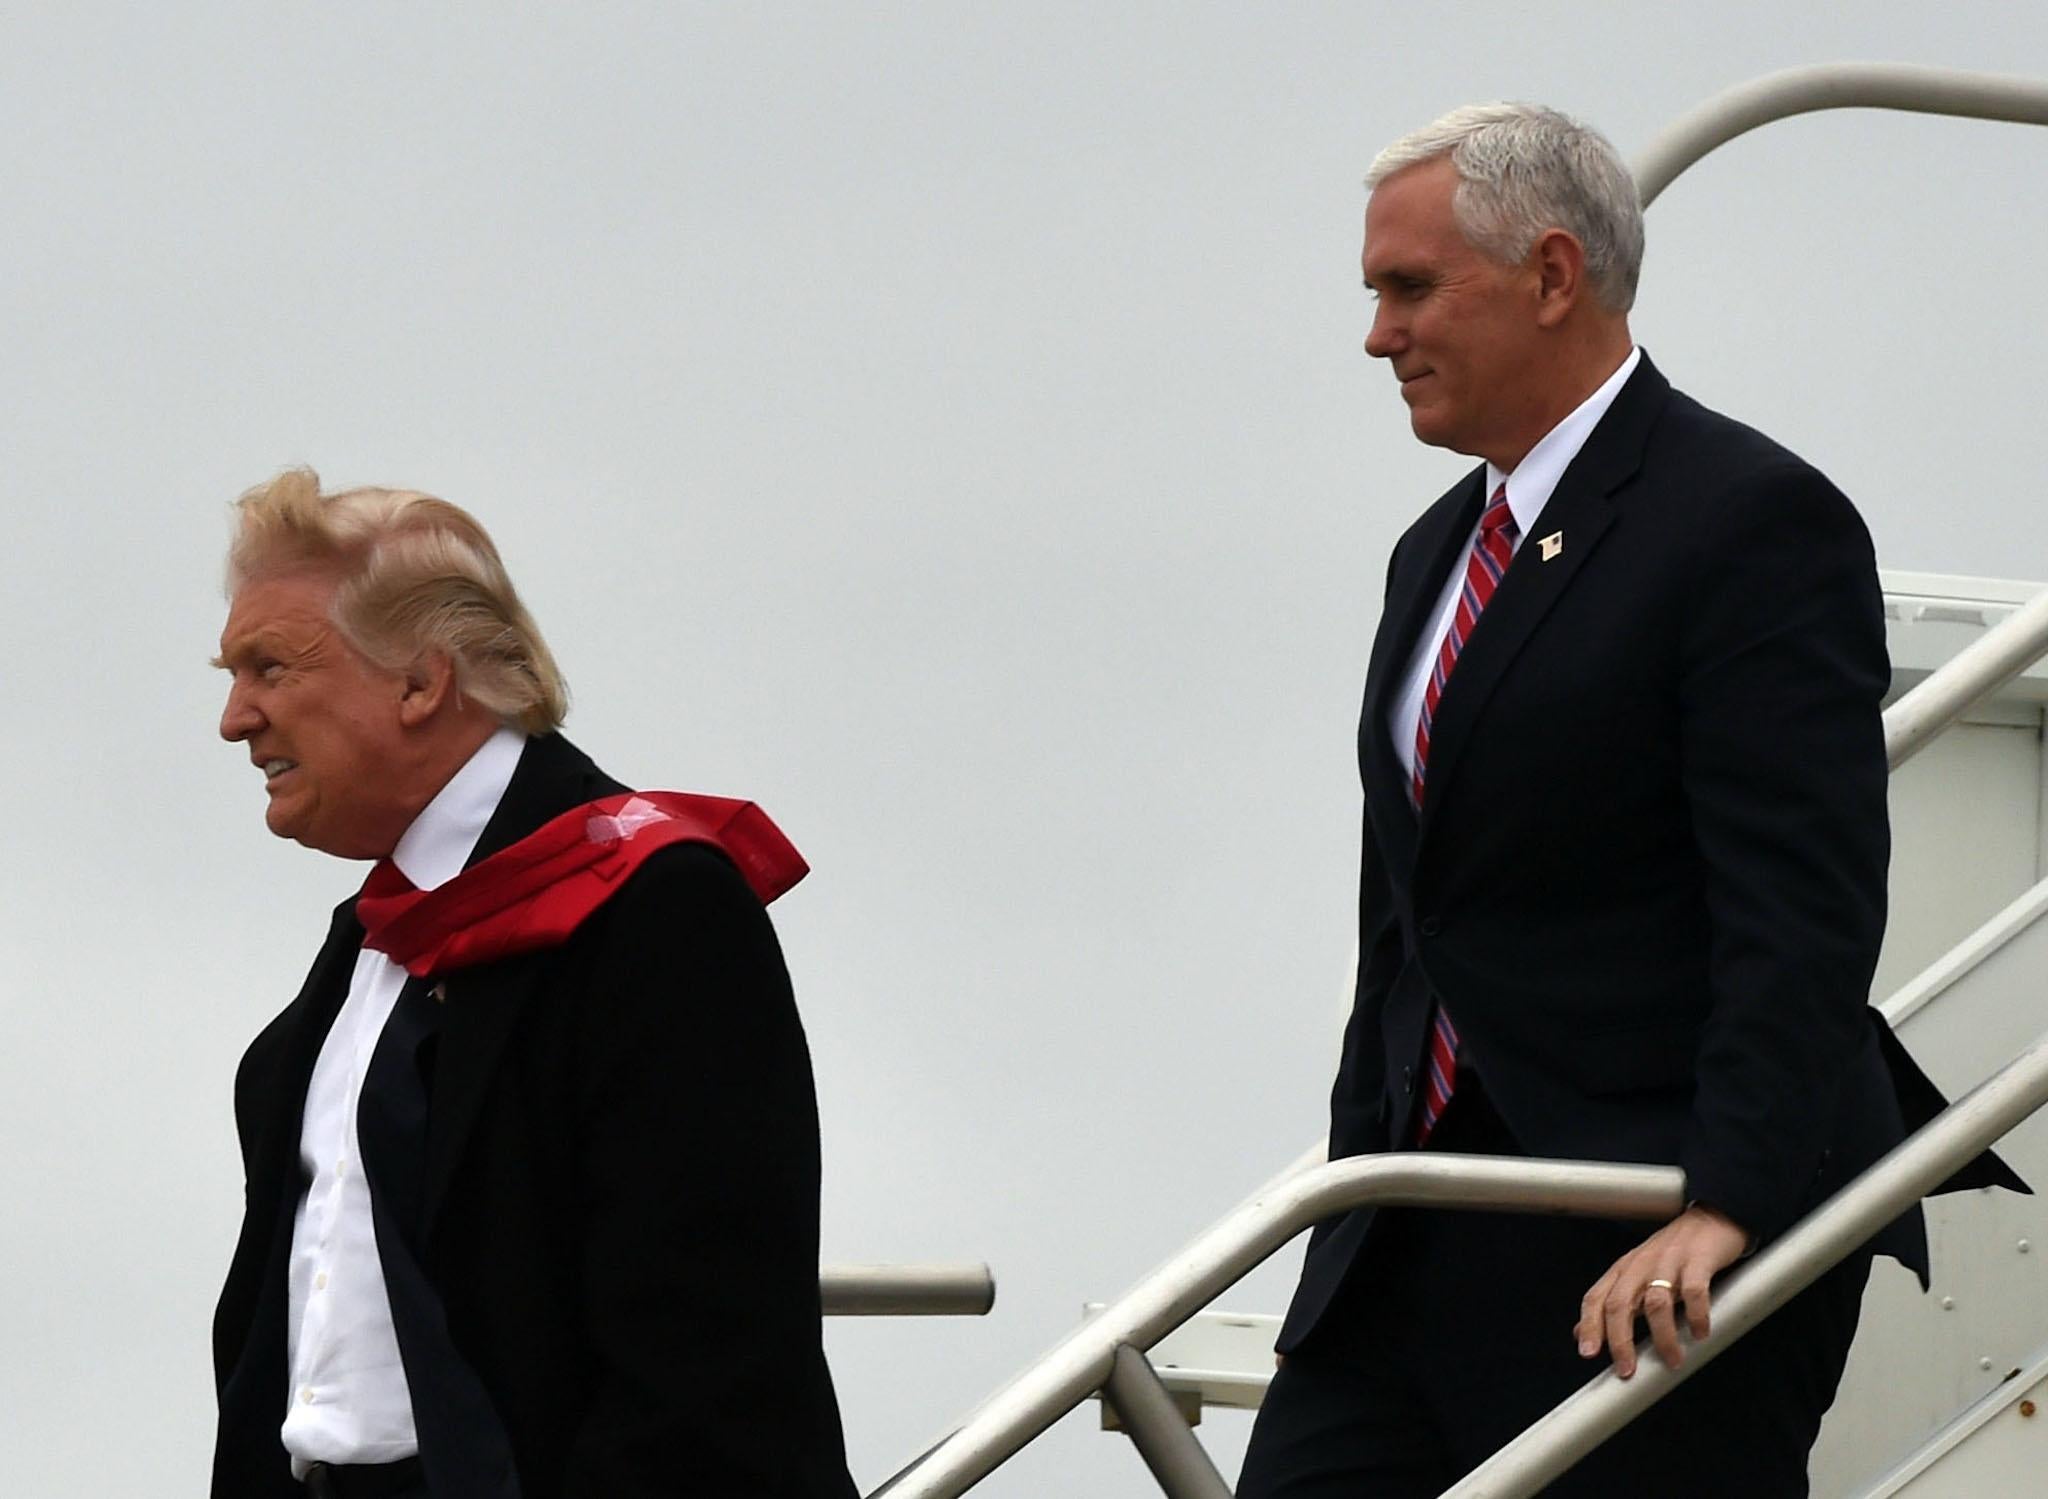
(1407, 1079)
(1429, 926)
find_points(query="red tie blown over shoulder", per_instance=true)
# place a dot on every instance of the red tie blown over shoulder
(533, 894)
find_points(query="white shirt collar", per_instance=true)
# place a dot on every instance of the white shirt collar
(442, 837)
(1535, 477)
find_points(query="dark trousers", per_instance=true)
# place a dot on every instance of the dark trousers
(399, 1480)
(1454, 1331)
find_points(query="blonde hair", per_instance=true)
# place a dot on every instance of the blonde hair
(414, 575)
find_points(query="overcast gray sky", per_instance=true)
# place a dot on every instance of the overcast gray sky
(945, 424)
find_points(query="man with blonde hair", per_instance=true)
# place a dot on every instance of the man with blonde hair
(1623, 875)
(531, 1162)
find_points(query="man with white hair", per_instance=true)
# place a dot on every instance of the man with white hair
(1623, 875)
(531, 1162)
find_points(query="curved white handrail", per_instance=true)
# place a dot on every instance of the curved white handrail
(1081, 1362)
(1840, 85)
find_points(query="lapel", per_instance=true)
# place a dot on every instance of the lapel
(277, 1073)
(1436, 544)
(1582, 508)
(478, 1008)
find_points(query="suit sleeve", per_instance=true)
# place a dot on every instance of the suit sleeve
(698, 1178)
(1783, 766)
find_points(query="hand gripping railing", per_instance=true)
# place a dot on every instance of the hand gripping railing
(1841, 85)
(1083, 1362)
(1783, 1269)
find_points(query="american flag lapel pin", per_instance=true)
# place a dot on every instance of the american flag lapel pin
(440, 993)
(1552, 545)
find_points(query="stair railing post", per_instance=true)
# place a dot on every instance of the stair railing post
(1159, 1431)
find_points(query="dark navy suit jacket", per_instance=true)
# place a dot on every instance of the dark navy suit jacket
(1648, 875)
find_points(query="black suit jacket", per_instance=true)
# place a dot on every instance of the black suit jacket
(1648, 876)
(597, 1166)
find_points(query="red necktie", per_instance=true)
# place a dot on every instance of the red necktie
(1492, 551)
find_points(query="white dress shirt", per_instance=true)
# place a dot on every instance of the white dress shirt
(349, 1402)
(1529, 489)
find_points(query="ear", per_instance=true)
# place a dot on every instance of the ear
(1559, 261)
(429, 685)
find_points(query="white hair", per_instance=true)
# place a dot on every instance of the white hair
(1524, 169)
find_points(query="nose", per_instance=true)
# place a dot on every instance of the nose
(240, 719)
(1385, 337)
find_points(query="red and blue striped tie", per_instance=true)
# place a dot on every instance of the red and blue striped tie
(1492, 551)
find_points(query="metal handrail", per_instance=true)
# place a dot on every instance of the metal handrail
(1841, 85)
(1081, 1363)
(907, 1290)
(1965, 679)
(1752, 1292)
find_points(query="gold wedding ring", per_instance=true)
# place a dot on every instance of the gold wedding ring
(1661, 1285)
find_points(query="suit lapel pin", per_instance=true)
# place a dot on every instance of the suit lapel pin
(1551, 545)
(440, 993)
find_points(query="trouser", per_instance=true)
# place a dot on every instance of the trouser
(399, 1480)
(1453, 1332)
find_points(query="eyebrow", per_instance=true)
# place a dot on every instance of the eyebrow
(244, 646)
(1397, 280)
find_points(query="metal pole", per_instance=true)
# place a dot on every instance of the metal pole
(1842, 85)
(1782, 1270)
(1158, 1430)
(907, 1290)
(1972, 674)
(1216, 1259)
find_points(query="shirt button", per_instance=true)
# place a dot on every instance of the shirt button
(320, 1281)
(306, 1395)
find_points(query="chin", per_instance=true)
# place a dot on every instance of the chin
(1439, 431)
(1428, 429)
(284, 822)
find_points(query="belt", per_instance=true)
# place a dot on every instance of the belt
(365, 1481)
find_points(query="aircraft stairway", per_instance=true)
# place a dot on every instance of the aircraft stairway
(1946, 1394)
(1936, 1379)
